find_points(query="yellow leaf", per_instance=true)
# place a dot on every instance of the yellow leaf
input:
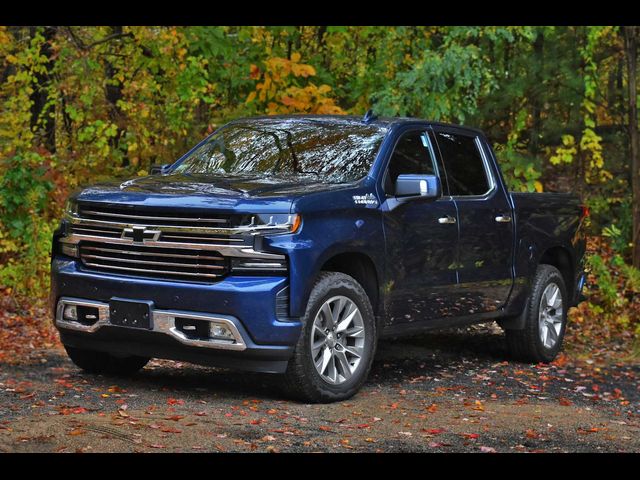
(251, 97)
(295, 57)
(303, 70)
(538, 186)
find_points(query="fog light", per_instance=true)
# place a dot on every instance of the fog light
(220, 332)
(70, 313)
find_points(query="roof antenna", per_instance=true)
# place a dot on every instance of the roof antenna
(369, 116)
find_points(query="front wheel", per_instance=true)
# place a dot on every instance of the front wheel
(545, 319)
(336, 347)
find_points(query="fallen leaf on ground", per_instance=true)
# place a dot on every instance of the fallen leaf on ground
(433, 431)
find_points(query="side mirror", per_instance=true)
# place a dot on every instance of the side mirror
(159, 169)
(426, 186)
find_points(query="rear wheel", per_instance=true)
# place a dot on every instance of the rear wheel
(92, 361)
(545, 319)
(334, 353)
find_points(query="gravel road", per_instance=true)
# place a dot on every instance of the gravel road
(450, 391)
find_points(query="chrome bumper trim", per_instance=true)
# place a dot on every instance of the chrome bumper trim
(240, 230)
(241, 251)
(163, 321)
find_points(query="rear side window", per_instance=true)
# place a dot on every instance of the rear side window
(411, 156)
(462, 161)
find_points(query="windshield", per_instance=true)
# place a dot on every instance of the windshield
(336, 151)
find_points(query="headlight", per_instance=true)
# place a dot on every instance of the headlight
(269, 224)
(70, 211)
(262, 226)
(71, 208)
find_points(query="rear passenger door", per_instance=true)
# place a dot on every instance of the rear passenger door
(485, 244)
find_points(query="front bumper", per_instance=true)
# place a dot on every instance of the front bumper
(247, 305)
(162, 321)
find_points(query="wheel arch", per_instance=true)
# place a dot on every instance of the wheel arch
(557, 256)
(361, 267)
(560, 257)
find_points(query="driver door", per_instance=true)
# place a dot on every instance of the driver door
(421, 237)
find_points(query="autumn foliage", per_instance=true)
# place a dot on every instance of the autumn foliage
(279, 90)
(83, 104)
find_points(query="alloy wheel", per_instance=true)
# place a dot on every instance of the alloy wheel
(550, 315)
(337, 339)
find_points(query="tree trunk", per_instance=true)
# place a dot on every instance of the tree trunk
(9, 68)
(113, 93)
(631, 52)
(538, 92)
(42, 112)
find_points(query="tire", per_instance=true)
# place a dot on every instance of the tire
(92, 361)
(302, 379)
(527, 345)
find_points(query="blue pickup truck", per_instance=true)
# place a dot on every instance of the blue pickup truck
(294, 244)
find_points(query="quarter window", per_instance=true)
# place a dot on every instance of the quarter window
(466, 173)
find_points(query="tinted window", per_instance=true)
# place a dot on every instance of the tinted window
(465, 170)
(411, 155)
(336, 151)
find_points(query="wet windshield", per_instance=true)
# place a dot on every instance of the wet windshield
(334, 150)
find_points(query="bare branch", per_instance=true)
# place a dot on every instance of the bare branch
(82, 46)
(109, 38)
(77, 41)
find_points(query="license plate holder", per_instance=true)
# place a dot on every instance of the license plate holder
(130, 313)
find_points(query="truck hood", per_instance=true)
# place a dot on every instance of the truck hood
(229, 192)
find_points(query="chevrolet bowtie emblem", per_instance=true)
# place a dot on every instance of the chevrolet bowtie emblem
(141, 234)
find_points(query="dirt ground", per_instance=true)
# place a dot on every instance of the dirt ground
(450, 391)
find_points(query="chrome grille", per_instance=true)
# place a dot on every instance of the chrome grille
(108, 222)
(159, 262)
(151, 217)
(187, 237)
(170, 237)
(95, 230)
(146, 242)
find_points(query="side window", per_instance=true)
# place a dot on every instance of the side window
(412, 154)
(462, 161)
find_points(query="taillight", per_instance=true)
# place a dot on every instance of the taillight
(585, 211)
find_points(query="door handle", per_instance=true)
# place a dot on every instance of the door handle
(503, 218)
(447, 219)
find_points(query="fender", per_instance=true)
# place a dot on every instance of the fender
(516, 308)
(299, 298)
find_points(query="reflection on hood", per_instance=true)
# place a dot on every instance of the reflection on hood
(217, 185)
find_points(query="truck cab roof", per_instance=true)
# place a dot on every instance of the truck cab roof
(383, 122)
